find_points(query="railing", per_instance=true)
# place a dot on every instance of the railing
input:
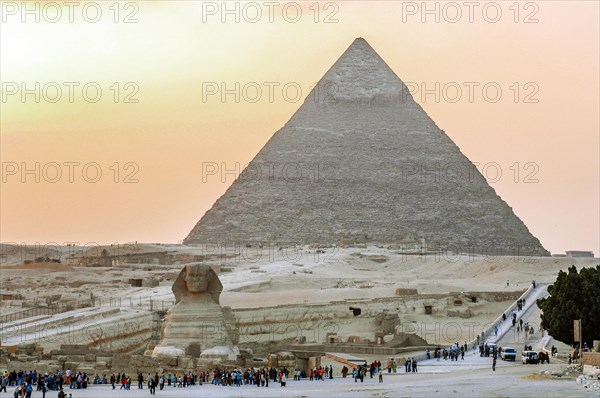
(489, 330)
(52, 309)
(146, 302)
(141, 302)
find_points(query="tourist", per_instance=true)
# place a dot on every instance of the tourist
(68, 377)
(283, 379)
(152, 387)
(381, 377)
(27, 390)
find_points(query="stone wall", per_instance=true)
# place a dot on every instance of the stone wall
(591, 358)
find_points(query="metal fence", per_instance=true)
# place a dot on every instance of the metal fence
(51, 309)
(141, 302)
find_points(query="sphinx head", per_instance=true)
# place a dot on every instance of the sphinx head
(197, 278)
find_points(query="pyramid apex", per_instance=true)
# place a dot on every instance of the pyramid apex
(360, 41)
(361, 74)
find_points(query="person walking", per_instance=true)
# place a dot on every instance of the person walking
(4, 382)
(153, 387)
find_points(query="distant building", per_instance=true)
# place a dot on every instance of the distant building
(579, 253)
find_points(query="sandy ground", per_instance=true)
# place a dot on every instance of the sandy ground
(293, 277)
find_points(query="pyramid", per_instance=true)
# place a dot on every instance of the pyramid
(361, 162)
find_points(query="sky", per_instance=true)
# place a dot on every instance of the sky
(111, 112)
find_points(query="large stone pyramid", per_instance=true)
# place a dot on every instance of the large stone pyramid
(361, 161)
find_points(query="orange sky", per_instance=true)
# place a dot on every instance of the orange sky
(176, 48)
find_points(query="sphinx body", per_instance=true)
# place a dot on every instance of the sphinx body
(196, 322)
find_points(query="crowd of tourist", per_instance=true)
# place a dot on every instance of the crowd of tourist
(26, 381)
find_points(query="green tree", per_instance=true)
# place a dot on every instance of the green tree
(574, 295)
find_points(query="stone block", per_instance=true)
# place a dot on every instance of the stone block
(75, 358)
(54, 368)
(88, 368)
(74, 349)
(89, 358)
(70, 365)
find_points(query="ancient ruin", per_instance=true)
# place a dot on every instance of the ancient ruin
(362, 162)
(359, 232)
(197, 325)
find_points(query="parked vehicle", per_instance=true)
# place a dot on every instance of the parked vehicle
(508, 354)
(529, 358)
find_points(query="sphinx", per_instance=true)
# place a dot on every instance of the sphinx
(197, 323)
